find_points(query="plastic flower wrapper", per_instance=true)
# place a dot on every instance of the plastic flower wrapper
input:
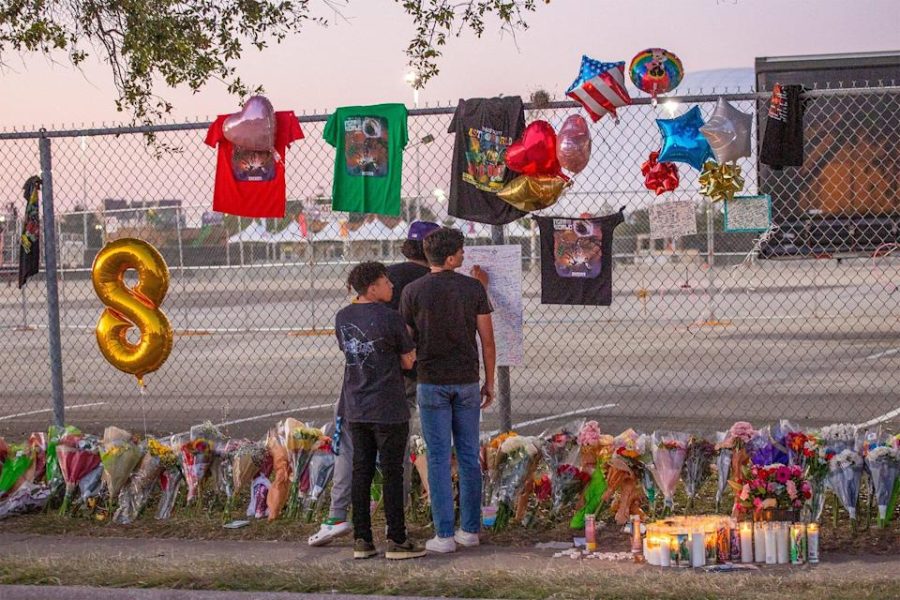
(259, 492)
(27, 498)
(490, 464)
(300, 441)
(53, 476)
(136, 494)
(18, 461)
(38, 443)
(697, 466)
(778, 436)
(281, 482)
(208, 432)
(77, 457)
(169, 481)
(246, 463)
(883, 463)
(624, 490)
(516, 462)
(223, 468)
(816, 457)
(761, 448)
(4, 450)
(196, 457)
(90, 486)
(119, 456)
(669, 451)
(319, 474)
(724, 452)
(418, 455)
(561, 451)
(647, 467)
(844, 474)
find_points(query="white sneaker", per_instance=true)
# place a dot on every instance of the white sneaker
(442, 545)
(330, 529)
(464, 538)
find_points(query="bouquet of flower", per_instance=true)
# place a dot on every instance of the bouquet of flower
(697, 466)
(560, 451)
(281, 483)
(840, 437)
(761, 448)
(724, 453)
(119, 456)
(815, 458)
(798, 450)
(136, 493)
(319, 474)
(77, 457)
(595, 447)
(490, 464)
(883, 463)
(196, 458)
(844, 473)
(19, 460)
(223, 466)
(771, 486)
(246, 463)
(38, 443)
(28, 497)
(171, 476)
(300, 442)
(4, 450)
(52, 474)
(418, 456)
(516, 463)
(669, 451)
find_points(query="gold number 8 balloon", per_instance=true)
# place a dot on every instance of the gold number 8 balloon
(132, 307)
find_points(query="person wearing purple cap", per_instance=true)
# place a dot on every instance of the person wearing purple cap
(400, 274)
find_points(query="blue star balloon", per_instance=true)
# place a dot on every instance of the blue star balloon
(682, 140)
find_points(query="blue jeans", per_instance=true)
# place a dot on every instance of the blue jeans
(452, 413)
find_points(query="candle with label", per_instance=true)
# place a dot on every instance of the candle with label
(798, 544)
(812, 543)
(590, 533)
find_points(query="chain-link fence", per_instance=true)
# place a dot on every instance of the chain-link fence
(702, 330)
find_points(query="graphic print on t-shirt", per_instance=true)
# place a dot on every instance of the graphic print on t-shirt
(366, 146)
(357, 347)
(252, 165)
(577, 248)
(486, 159)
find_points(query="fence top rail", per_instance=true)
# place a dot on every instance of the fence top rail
(438, 110)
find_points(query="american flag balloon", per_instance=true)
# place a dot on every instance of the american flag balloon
(600, 87)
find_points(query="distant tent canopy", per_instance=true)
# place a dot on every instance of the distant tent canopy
(255, 232)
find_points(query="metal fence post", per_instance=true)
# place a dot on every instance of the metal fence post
(51, 271)
(710, 262)
(504, 397)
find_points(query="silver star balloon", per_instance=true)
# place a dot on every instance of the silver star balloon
(728, 132)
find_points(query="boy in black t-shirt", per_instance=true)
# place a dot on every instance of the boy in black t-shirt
(376, 345)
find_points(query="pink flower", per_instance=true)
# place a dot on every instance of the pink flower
(741, 430)
(589, 434)
(791, 489)
(805, 487)
(782, 474)
(745, 492)
(796, 471)
(757, 503)
(771, 487)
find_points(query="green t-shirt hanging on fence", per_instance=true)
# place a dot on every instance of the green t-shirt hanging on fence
(369, 141)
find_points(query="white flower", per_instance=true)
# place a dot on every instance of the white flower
(883, 453)
(844, 432)
(845, 459)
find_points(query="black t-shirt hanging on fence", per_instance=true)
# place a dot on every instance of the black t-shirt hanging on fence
(372, 337)
(484, 128)
(576, 259)
(30, 241)
(782, 144)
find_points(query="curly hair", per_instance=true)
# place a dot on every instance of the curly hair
(365, 274)
(441, 244)
(412, 249)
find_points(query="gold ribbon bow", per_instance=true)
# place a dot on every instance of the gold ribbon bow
(720, 182)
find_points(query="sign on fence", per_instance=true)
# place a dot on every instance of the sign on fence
(748, 213)
(672, 219)
(503, 265)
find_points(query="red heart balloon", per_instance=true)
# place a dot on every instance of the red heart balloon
(535, 153)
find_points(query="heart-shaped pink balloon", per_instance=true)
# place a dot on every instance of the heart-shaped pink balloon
(535, 153)
(573, 144)
(254, 127)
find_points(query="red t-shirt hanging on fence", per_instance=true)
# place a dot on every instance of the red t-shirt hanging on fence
(251, 184)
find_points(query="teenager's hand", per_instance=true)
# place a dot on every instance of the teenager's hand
(481, 275)
(487, 395)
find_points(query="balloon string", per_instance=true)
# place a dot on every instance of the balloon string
(143, 394)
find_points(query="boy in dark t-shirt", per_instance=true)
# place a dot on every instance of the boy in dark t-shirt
(377, 346)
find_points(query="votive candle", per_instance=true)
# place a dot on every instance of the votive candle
(698, 549)
(783, 543)
(771, 543)
(746, 542)
(812, 543)
(759, 542)
(798, 544)
(665, 543)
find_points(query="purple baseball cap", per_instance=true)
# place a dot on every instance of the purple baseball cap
(419, 229)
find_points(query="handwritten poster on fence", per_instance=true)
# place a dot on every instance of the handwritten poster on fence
(748, 213)
(672, 219)
(503, 265)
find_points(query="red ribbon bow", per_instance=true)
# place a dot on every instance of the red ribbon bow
(659, 177)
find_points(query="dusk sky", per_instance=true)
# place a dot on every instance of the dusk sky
(361, 60)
